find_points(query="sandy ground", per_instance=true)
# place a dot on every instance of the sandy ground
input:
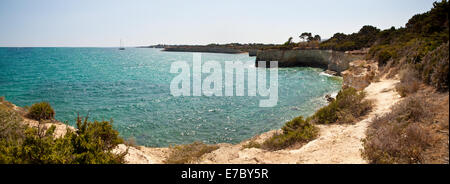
(336, 144)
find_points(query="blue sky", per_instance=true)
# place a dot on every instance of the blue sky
(146, 22)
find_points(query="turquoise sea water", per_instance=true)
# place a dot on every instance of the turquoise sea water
(132, 88)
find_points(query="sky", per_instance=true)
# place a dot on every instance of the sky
(103, 23)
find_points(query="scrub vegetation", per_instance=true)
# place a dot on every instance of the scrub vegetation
(189, 153)
(415, 131)
(90, 143)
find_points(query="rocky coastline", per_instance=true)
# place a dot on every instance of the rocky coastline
(334, 62)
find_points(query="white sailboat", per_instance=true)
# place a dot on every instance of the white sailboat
(121, 45)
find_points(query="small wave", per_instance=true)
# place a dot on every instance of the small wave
(334, 95)
(326, 74)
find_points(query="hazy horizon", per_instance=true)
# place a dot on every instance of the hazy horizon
(82, 23)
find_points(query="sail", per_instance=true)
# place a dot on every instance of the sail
(121, 45)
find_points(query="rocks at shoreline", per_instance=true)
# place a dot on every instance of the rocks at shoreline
(360, 74)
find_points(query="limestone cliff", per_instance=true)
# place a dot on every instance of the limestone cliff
(326, 59)
(252, 52)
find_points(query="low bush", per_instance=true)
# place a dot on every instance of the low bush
(92, 143)
(401, 136)
(99, 130)
(346, 108)
(295, 131)
(435, 68)
(409, 82)
(190, 153)
(10, 127)
(384, 55)
(41, 111)
(251, 144)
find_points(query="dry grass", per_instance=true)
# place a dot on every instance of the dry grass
(409, 81)
(252, 144)
(190, 153)
(415, 131)
(6, 103)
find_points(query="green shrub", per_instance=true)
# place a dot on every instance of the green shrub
(295, 131)
(10, 123)
(92, 143)
(41, 111)
(100, 130)
(346, 108)
(365, 37)
(384, 56)
(252, 144)
(190, 153)
(12, 132)
(327, 114)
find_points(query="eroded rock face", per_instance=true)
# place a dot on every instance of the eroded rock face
(295, 58)
(339, 61)
(360, 74)
(326, 59)
(252, 52)
(203, 49)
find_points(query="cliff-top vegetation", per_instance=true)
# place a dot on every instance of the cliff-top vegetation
(416, 130)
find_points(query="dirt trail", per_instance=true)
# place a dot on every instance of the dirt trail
(336, 144)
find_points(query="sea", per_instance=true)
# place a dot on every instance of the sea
(131, 88)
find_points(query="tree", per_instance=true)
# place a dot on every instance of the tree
(305, 36)
(368, 29)
(317, 38)
(289, 41)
